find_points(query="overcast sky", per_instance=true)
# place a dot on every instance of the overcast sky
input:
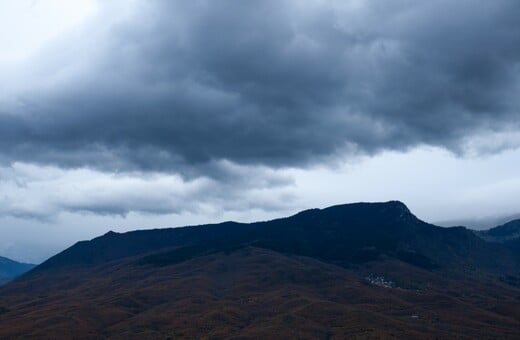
(117, 115)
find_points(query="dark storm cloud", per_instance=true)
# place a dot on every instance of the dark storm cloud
(178, 86)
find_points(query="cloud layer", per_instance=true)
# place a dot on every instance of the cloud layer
(42, 193)
(179, 86)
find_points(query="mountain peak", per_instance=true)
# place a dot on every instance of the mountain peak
(398, 207)
(389, 209)
(395, 205)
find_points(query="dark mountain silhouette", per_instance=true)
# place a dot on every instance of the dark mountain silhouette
(345, 235)
(503, 233)
(355, 270)
(10, 269)
(508, 235)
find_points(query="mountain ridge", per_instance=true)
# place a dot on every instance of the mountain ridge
(362, 270)
(502, 233)
(10, 269)
(368, 230)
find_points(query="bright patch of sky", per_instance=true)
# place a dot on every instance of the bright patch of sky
(27, 25)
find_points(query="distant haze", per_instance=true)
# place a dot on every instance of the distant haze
(139, 114)
(482, 223)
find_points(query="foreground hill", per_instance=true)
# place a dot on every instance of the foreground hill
(10, 269)
(360, 270)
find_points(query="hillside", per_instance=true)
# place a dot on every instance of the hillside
(365, 270)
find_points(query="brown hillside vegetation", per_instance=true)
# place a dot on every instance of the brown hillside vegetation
(257, 293)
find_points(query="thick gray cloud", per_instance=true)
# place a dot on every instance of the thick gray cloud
(180, 86)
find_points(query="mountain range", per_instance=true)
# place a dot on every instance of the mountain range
(10, 269)
(363, 270)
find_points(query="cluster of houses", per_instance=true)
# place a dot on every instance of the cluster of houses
(380, 281)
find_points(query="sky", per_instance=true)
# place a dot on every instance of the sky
(120, 115)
